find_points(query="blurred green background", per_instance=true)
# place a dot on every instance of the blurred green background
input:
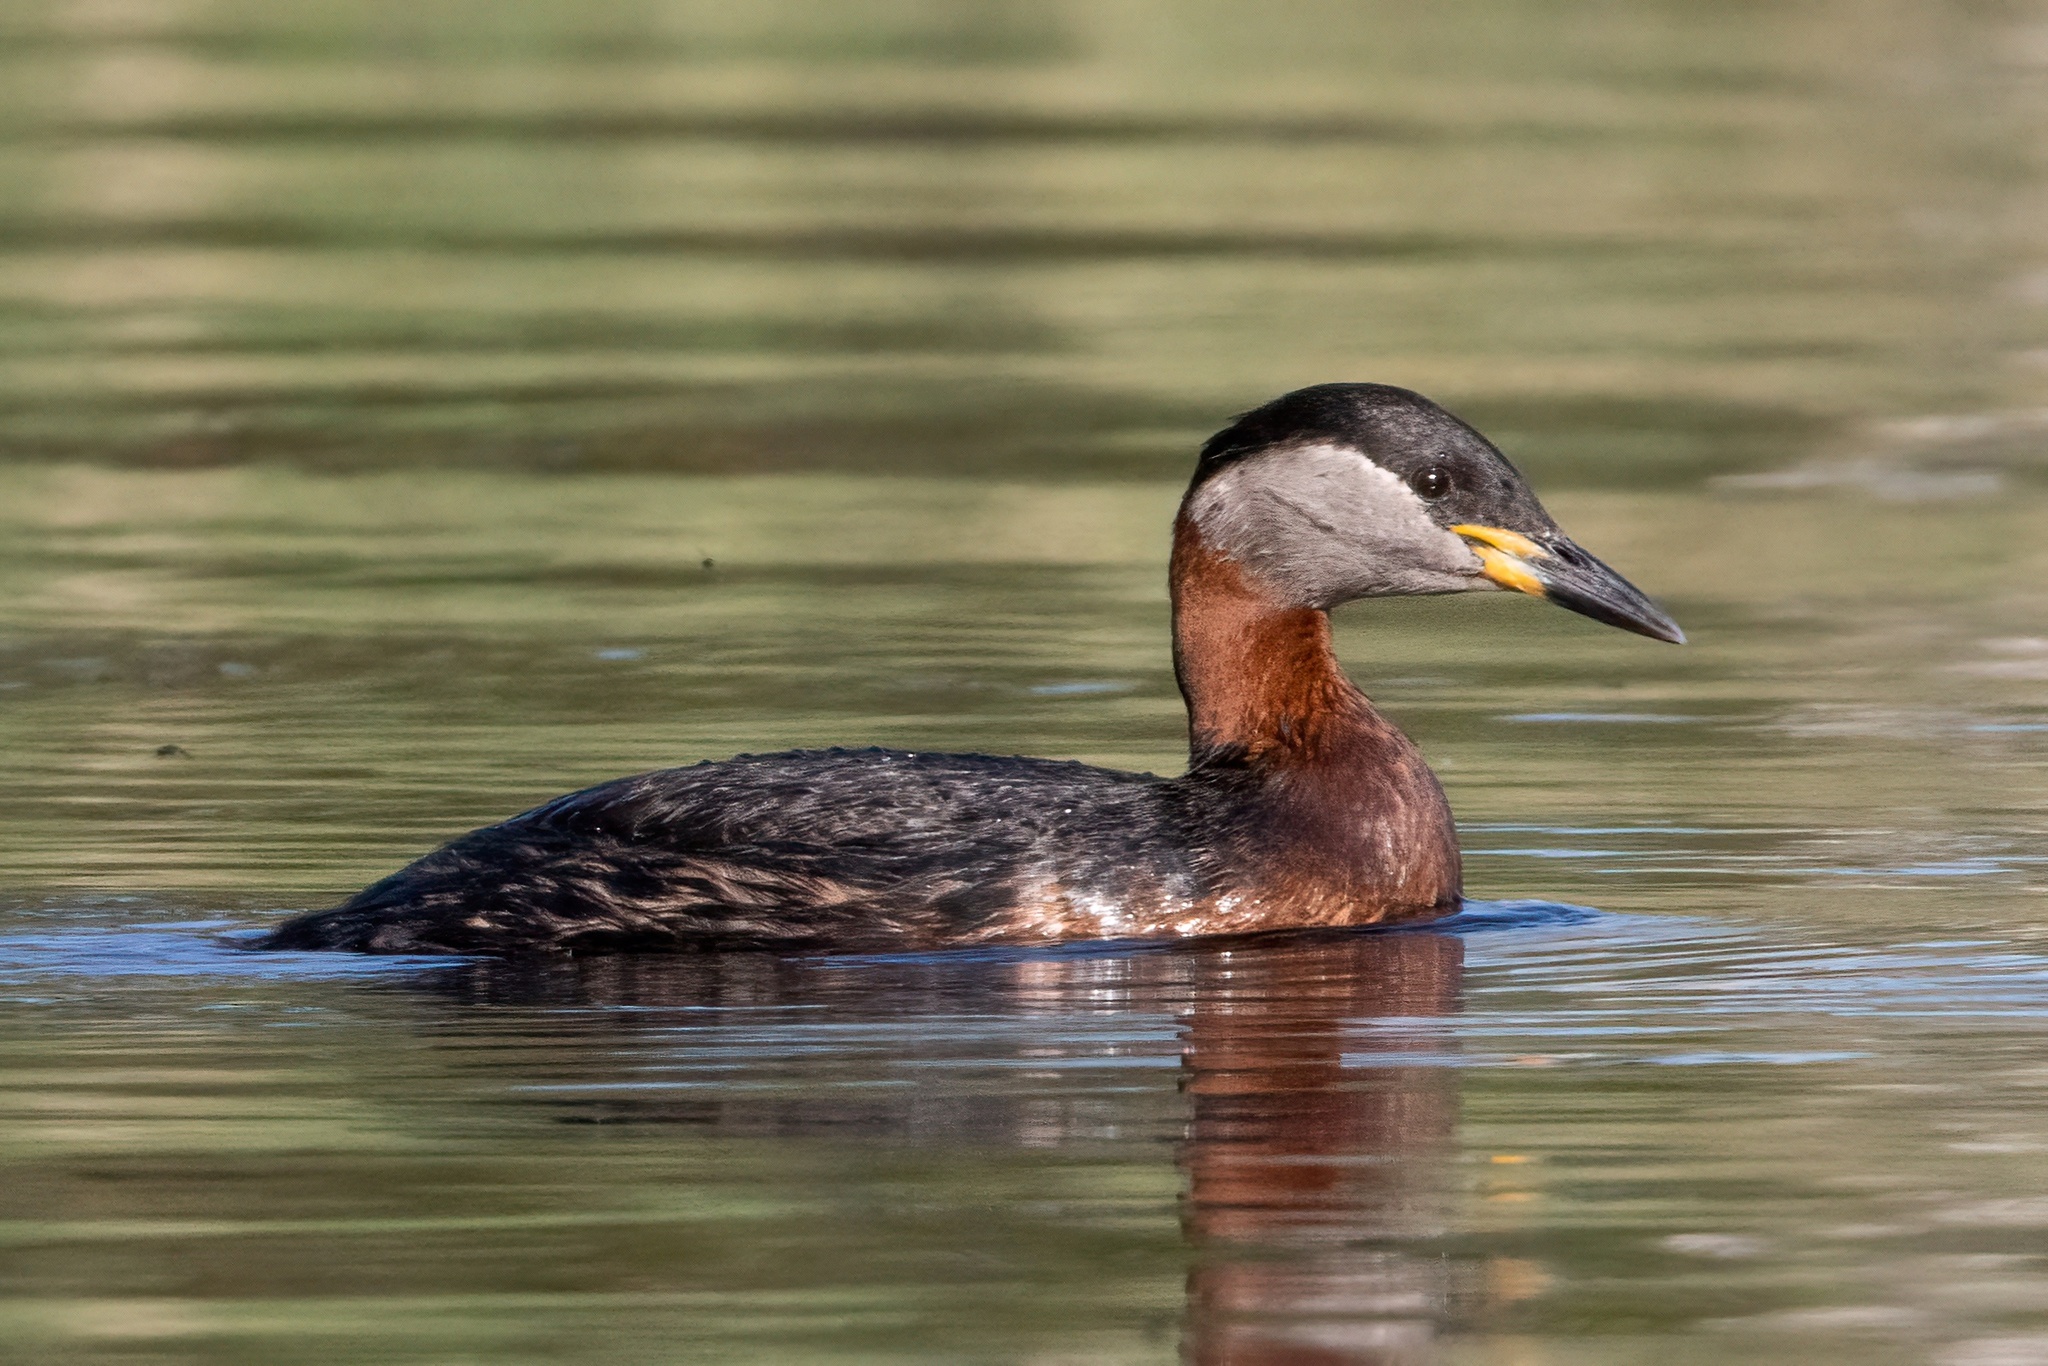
(413, 409)
(1641, 242)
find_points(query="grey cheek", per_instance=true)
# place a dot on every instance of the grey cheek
(1325, 527)
(1457, 558)
(1432, 560)
(1303, 511)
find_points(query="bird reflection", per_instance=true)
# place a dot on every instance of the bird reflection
(1319, 1143)
(1316, 1124)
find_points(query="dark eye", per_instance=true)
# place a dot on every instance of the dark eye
(1430, 482)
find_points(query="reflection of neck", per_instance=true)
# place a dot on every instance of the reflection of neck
(1304, 1159)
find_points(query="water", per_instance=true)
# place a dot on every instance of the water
(414, 411)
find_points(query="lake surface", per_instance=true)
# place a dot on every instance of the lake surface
(409, 412)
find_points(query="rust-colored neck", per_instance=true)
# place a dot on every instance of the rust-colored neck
(1259, 676)
(1335, 817)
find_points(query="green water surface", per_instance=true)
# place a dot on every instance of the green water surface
(409, 412)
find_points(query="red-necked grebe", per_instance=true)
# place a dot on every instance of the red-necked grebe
(1301, 806)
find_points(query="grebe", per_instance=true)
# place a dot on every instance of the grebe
(1301, 806)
